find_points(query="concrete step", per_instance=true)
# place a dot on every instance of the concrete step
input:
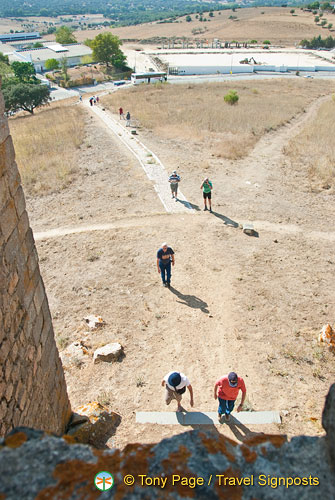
(206, 418)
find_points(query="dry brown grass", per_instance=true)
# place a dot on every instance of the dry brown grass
(315, 149)
(264, 23)
(46, 146)
(198, 113)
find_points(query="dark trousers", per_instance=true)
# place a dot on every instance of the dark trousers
(165, 272)
(225, 406)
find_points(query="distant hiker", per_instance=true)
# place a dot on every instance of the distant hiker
(226, 390)
(175, 384)
(174, 179)
(128, 119)
(94, 100)
(80, 98)
(165, 256)
(91, 101)
(207, 187)
(121, 113)
(98, 99)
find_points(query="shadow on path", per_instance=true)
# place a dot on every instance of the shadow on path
(240, 431)
(187, 204)
(226, 220)
(190, 300)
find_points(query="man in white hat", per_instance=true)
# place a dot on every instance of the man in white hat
(175, 384)
(174, 179)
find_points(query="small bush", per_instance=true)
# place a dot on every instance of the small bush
(267, 42)
(231, 98)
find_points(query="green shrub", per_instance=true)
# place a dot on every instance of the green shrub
(231, 98)
(267, 42)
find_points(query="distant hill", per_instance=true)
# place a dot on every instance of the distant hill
(121, 12)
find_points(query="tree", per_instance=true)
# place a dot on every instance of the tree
(3, 58)
(323, 22)
(188, 19)
(25, 96)
(330, 25)
(292, 11)
(316, 19)
(211, 14)
(63, 65)
(65, 35)
(51, 64)
(24, 72)
(106, 49)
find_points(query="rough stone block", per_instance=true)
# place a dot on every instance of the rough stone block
(30, 285)
(39, 295)
(32, 262)
(13, 281)
(4, 192)
(12, 246)
(100, 424)
(20, 202)
(109, 352)
(3, 410)
(4, 351)
(9, 391)
(23, 226)
(19, 321)
(4, 130)
(8, 219)
(30, 242)
(37, 328)
(29, 323)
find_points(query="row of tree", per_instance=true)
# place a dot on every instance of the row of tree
(318, 43)
(121, 12)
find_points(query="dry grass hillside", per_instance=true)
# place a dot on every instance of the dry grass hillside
(198, 113)
(264, 23)
(47, 146)
(313, 149)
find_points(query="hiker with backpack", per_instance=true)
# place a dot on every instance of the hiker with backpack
(175, 384)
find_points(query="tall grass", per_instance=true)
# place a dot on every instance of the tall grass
(46, 146)
(198, 112)
(314, 147)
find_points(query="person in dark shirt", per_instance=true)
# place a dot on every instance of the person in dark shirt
(165, 256)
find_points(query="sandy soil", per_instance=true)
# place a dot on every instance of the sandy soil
(252, 305)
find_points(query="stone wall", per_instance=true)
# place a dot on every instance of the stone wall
(32, 384)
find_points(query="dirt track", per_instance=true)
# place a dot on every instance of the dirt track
(253, 305)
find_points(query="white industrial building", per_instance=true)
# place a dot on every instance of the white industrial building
(74, 54)
(207, 62)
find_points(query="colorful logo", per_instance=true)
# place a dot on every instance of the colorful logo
(104, 481)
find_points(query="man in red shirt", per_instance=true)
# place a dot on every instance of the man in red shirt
(226, 390)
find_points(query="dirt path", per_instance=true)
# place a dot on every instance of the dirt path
(142, 221)
(149, 161)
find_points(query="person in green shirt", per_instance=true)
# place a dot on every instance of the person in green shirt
(207, 187)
